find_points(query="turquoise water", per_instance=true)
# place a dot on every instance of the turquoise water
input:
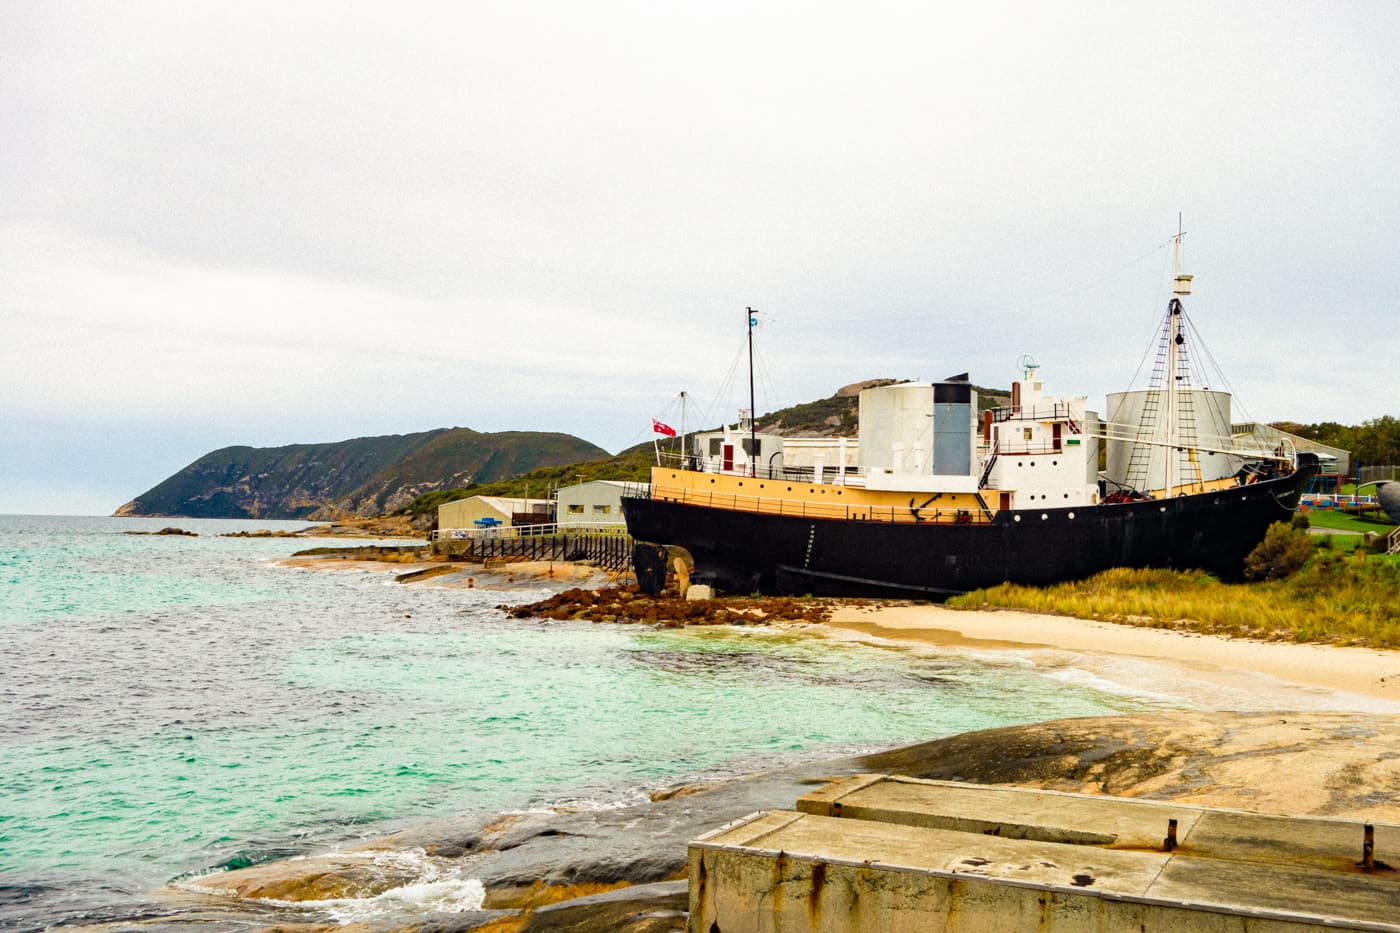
(172, 704)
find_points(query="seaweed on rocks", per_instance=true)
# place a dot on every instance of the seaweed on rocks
(628, 604)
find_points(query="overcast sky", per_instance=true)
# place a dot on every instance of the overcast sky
(263, 224)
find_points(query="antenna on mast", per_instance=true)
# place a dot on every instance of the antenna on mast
(753, 429)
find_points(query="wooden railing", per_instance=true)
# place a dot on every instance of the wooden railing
(527, 531)
(611, 549)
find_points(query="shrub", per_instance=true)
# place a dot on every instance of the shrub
(1283, 550)
(1301, 520)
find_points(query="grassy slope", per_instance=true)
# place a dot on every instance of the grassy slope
(632, 465)
(461, 455)
(1340, 596)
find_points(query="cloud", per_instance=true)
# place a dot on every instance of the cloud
(300, 223)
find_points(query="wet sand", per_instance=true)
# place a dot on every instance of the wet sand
(502, 575)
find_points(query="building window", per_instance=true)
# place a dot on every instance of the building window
(602, 509)
(714, 446)
(753, 446)
(1030, 433)
(576, 510)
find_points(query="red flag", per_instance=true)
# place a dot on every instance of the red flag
(658, 428)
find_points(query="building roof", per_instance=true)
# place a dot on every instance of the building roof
(506, 505)
(615, 483)
(1334, 459)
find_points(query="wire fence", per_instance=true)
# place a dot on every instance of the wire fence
(1374, 474)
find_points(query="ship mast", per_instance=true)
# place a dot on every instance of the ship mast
(1181, 286)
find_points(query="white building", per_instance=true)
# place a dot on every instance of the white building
(595, 504)
(462, 518)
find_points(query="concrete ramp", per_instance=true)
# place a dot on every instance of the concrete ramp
(874, 852)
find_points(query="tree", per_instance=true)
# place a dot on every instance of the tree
(1283, 550)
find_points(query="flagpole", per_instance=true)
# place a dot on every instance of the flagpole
(684, 457)
(753, 421)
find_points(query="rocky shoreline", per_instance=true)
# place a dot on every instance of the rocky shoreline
(623, 869)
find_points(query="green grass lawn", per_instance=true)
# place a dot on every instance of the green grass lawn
(1341, 521)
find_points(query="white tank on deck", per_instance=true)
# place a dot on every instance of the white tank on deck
(1204, 421)
(896, 428)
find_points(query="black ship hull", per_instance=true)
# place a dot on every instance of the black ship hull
(754, 552)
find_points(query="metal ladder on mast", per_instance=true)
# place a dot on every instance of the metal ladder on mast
(1188, 462)
(1141, 458)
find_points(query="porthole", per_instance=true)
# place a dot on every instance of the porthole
(1044, 516)
(1054, 463)
(1161, 508)
(789, 489)
(1018, 518)
(741, 482)
(1032, 463)
(1071, 515)
(712, 479)
(1019, 463)
(1066, 495)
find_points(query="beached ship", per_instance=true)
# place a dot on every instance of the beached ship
(944, 498)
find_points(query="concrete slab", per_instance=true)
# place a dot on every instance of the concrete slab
(1009, 812)
(930, 855)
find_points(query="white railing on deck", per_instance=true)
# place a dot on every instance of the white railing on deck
(1315, 500)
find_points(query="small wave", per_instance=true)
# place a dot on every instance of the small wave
(434, 888)
(452, 896)
(1131, 686)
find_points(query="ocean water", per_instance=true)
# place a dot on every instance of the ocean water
(171, 706)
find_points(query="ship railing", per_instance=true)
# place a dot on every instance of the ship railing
(831, 474)
(803, 508)
(1022, 449)
(1058, 411)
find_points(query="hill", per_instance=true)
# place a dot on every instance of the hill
(360, 477)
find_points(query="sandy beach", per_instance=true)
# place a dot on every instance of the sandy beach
(1271, 673)
(1205, 670)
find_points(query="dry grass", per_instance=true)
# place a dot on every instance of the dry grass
(1336, 598)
